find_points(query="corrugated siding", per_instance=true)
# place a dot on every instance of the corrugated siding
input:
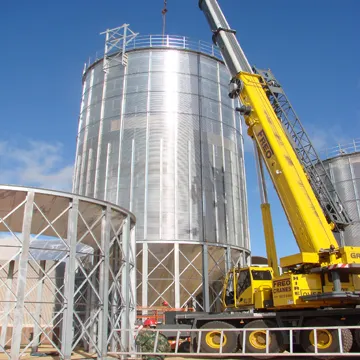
(161, 138)
(345, 174)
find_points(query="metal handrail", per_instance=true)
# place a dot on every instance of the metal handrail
(184, 333)
(341, 149)
(166, 41)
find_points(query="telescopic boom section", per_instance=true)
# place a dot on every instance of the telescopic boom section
(224, 37)
(305, 215)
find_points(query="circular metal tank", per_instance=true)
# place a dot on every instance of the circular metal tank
(159, 135)
(343, 164)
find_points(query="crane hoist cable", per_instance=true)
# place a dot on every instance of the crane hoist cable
(163, 12)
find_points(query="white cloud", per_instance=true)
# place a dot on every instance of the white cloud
(324, 139)
(35, 163)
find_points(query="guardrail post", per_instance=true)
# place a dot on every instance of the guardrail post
(221, 341)
(340, 341)
(267, 341)
(199, 342)
(244, 340)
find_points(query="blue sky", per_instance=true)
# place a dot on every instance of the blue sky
(311, 46)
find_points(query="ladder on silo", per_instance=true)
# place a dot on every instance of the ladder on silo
(117, 41)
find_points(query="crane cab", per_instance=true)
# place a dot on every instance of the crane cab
(257, 288)
(248, 288)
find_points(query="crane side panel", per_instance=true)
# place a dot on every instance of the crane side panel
(311, 230)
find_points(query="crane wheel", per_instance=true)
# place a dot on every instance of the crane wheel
(356, 334)
(210, 340)
(327, 339)
(255, 341)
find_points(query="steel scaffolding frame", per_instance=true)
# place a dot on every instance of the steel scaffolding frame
(194, 273)
(67, 273)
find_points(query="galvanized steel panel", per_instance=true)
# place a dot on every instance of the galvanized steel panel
(345, 174)
(171, 108)
(161, 137)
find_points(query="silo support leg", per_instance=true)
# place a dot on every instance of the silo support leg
(205, 276)
(7, 304)
(37, 315)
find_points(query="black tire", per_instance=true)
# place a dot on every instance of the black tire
(357, 337)
(184, 347)
(210, 340)
(329, 343)
(255, 342)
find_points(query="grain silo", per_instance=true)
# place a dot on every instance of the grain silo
(343, 164)
(159, 135)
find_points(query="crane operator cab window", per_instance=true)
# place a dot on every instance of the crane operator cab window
(244, 282)
(261, 275)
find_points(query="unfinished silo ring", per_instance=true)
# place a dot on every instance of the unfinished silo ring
(66, 263)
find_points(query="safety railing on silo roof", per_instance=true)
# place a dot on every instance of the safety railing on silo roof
(340, 149)
(167, 41)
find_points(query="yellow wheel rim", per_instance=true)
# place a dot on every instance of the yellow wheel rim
(257, 339)
(212, 339)
(324, 338)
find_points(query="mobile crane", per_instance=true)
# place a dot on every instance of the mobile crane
(319, 286)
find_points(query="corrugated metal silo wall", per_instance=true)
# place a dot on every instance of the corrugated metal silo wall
(161, 138)
(345, 174)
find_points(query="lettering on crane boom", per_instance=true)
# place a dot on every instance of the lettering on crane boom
(264, 143)
(355, 255)
(281, 286)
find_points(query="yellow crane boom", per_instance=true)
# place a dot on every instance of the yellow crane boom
(307, 220)
(312, 231)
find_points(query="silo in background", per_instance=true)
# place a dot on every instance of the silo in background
(159, 135)
(343, 164)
